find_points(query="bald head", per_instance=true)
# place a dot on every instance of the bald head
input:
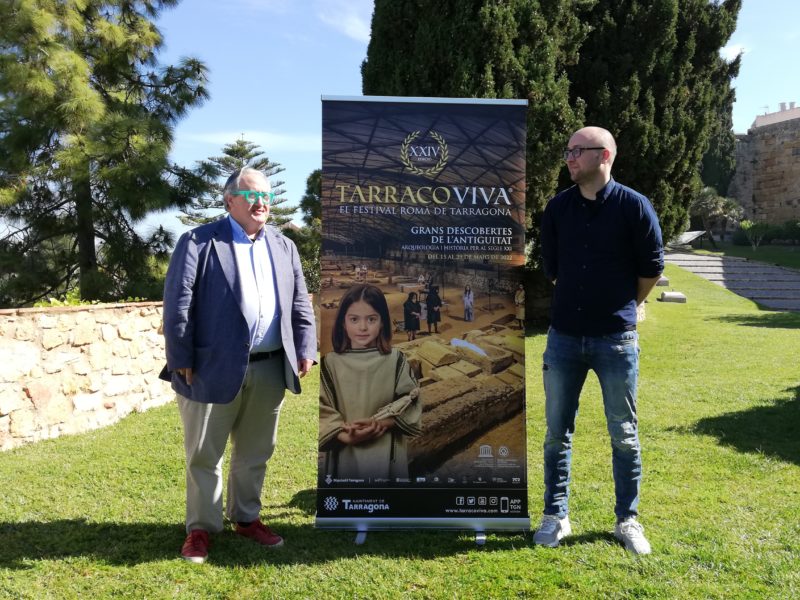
(593, 136)
(590, 154)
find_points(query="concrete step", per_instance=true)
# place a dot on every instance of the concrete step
(773, 272)
(793, 305)
(700, 257)
(763, 285)
(730, 266)
(713, 261)
(768, 294)
(775, 287)
(755, 277)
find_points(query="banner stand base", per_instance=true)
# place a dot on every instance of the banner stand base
(480, 538)
(361, 537)
(478, 525)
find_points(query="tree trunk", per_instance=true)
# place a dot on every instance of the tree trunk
(87, 256)
(709, 234)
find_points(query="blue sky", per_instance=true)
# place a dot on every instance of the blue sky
(768, 32)
(270, 62)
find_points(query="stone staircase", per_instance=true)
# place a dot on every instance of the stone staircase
(771, 286)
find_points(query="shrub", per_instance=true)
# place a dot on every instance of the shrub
(739, 238)
(755, 232)
(791, 231)
(771, 232)
(73, 298)
(311, 272)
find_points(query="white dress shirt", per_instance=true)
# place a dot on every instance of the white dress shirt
(259, 292)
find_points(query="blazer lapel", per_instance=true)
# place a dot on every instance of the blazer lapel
(223, 246)
(279, 263)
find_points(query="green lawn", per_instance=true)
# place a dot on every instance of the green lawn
(784, 256)
(100, 515)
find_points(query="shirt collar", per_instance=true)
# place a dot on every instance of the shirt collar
(605, 191)
(239, 235)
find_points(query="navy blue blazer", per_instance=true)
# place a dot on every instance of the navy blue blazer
(204, 325)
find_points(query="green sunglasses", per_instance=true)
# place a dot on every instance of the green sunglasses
(252, 197)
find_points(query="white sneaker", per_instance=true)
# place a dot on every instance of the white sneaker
(631, 533)
(551, 531)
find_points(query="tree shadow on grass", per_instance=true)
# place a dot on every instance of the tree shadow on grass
(767, 318)
(129, 544)
(770, 430)
(113, 543)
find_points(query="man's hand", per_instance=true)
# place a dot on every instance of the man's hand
(644, 286)
(305, 366)
(186, 373)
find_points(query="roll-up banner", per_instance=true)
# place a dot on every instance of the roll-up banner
(422, 395)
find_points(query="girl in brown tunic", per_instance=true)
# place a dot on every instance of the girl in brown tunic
(369, 398)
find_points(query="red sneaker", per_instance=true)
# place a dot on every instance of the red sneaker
(195, 548)
(261, 533)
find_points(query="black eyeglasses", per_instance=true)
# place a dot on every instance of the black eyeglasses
(575, 153)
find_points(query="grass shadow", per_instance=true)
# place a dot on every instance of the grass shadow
(589, 537)
(113, 543)
(129, 544)
(305, 501)
(767, 318)
(770, 430)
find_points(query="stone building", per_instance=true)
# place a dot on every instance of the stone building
(767, 178)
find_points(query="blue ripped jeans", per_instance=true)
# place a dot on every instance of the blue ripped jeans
(615, 360)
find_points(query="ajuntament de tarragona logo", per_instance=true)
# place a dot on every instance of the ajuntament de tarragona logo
(416, 155)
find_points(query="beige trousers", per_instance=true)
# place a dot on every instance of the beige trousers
(251, 422)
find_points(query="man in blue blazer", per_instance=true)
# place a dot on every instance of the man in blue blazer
(239, 331)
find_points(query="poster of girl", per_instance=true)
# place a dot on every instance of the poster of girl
(369, 402)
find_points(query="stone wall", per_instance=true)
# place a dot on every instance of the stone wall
(767, 178)
(71, 369)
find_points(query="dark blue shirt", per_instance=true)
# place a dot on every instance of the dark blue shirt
(596, 250)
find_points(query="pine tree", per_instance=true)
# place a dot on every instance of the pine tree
(239, 154)
(311, 202)
(486, 49)
(650, 72)
(86, 122)
(309, 237)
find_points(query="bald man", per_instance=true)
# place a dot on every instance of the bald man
(602, 248)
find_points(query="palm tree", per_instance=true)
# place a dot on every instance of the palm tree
(712, 208)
